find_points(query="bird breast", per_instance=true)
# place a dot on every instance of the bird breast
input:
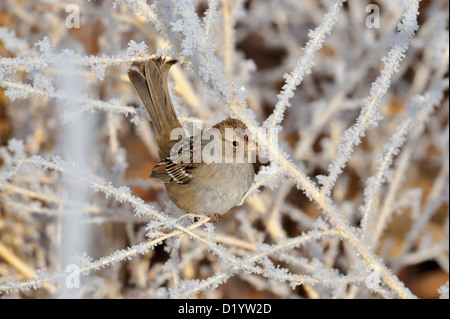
(216, 189)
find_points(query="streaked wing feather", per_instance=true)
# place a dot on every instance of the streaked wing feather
(169, 171)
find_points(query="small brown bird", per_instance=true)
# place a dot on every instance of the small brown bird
(202, 187)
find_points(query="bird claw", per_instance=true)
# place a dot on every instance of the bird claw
(216, 218)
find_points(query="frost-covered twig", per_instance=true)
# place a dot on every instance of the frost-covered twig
(304, 63)
(370, 115)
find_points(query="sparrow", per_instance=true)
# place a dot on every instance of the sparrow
(194, 183)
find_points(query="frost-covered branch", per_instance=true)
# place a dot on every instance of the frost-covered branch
(370, 115)
(304, 63)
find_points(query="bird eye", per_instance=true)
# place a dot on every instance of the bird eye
(235, 143)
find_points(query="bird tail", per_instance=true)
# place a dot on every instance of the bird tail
(151, 85)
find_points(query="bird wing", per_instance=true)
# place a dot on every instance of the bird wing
(179, 171)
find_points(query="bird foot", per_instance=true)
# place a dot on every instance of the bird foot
(216, 218)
